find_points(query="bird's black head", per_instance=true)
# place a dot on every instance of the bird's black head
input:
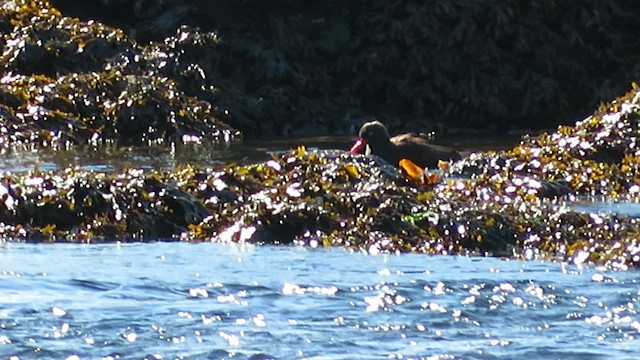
(374, 131)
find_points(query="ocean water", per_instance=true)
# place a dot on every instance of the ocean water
(230, 301)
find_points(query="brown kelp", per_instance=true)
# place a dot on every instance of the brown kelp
(68, 82)
(290, 67)
(508, 203)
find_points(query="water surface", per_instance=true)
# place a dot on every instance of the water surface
(218, 301)
(160, 158)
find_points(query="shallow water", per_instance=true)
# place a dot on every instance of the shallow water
(109, 159)
(159, 158)
(623, 208)
(218, 301)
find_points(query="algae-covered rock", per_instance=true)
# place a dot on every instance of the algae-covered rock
(70, 82)
(516, 203)
(508, 203)
(287, 66)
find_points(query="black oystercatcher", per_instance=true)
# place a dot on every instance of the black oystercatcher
(413, 147)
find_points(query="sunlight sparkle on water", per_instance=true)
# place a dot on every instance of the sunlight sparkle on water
(316, 300)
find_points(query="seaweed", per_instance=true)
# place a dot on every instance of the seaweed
(67, 82)
(512, 203)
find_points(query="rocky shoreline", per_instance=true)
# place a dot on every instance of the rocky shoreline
(513, 203)
(67, 82)
(286, 68)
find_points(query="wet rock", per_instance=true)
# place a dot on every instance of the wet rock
(508, 203)
(68, 82)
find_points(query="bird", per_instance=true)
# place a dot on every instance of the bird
(416, 148)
